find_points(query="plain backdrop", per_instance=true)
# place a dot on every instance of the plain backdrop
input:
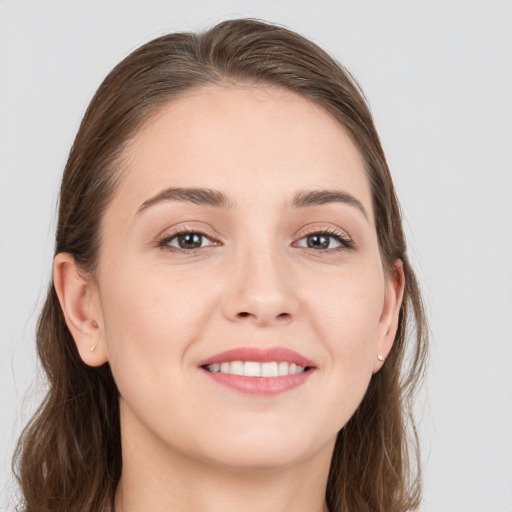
(438, 77)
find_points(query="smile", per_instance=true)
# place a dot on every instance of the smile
(256, 369)
(265, 371)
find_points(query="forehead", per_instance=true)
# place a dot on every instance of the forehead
(255, 143)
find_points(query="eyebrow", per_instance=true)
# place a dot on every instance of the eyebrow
(200, 196)
(306, 198)
(216, 198)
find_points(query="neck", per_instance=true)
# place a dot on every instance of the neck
(221, 492)
(161, 479)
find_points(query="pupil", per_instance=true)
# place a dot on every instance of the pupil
(190, 240)
(318, 242)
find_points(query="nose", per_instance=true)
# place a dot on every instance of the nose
(261, 290)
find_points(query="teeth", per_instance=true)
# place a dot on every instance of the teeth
(252, 369)
(236, 368)
(269, 369)
(256, 369)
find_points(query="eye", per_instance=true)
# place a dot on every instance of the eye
(322, 241)
(186, 241)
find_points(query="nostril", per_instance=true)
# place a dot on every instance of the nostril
(279, 317)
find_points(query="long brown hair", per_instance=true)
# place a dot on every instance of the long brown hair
(69, 456)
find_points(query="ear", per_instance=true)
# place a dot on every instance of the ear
(80, 303)
(388, 322)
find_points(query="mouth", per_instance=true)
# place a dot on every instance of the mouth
(265, 371)
(256, 368)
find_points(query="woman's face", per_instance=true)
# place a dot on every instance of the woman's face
(242, 231)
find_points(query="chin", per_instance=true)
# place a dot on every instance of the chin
(256, 461)
(264, 451)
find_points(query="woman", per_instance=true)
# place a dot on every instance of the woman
(231, 292)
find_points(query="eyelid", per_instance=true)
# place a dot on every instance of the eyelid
(346, 242)
(183, 229)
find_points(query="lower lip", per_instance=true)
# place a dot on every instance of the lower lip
(260, 385)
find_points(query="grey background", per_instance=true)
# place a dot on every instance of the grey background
(438, 76)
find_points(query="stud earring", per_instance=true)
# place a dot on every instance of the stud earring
(95, 325)
(381, 357)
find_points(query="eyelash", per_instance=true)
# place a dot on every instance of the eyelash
(345, 243)
(164, 242)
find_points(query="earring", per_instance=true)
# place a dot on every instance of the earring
(381, 357)
(94, 324)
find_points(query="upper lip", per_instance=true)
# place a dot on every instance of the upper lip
(258, 354)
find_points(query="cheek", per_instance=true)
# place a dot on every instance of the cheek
(347, 307)
(345, 313)
(150, 320)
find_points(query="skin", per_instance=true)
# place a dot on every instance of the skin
(190, 444)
